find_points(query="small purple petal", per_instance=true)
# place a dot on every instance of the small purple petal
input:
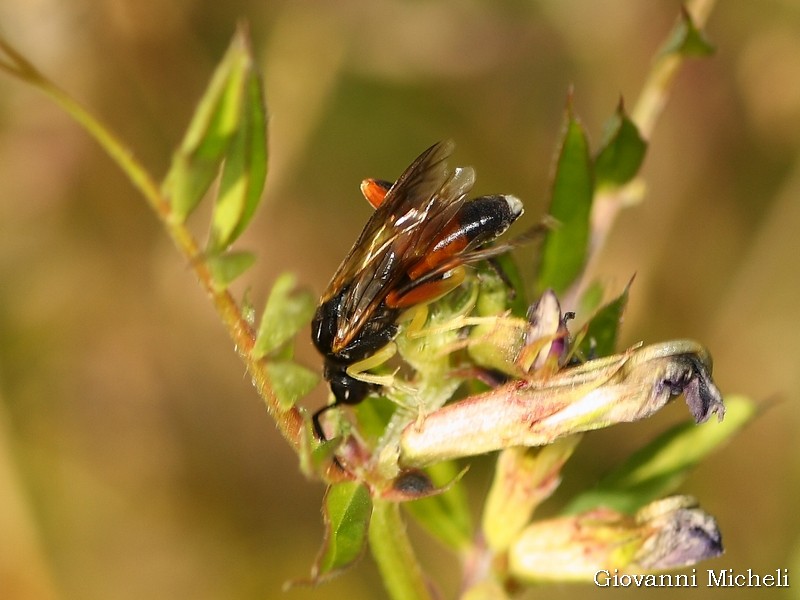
(702, 396)
(694, 381)
(684, 537)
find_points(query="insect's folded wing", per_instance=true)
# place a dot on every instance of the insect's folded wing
(414, 234)
(420, 204)
(404, 207)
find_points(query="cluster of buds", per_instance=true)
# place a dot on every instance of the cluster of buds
(548, 397)
(536, 416)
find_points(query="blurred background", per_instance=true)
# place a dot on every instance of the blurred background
(136, 461)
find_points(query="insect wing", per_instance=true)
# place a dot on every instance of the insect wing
(429, 166)
(420, 203)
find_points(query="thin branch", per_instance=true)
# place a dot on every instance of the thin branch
(290, 423)
(655, 92)
(645, 113)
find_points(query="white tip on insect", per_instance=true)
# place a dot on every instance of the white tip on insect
(514, 205)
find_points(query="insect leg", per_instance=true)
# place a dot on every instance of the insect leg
(358, 370)
(375, 190)
(316, 422)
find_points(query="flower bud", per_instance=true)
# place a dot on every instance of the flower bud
(666, 534)
(534, 412)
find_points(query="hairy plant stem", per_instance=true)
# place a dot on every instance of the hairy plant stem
(290, 423)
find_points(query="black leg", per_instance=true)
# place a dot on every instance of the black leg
(315, 420)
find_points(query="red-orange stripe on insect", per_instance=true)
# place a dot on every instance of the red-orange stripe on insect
(427, 292)
(436, 257)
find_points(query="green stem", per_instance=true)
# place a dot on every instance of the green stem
(645, 113)
(289, 422)
(392, 551)
(655, 92)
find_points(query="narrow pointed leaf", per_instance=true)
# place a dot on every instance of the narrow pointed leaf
(601, 333)
(284, 314)
(225, 268)
(244, 171)
(196, 162)
(316, 456)
(346, 512)
(591, 299)
(687, 40)
(565, 247)
(290, 382)
(658, 468)
(621, 153)
(446, 516)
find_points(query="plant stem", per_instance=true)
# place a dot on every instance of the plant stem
(392, 551)
(290, 423)
(645, 113)
(655, 92)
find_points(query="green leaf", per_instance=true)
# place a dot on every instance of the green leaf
(346, 512)
(516, 296)
(196, 162)
(373, 417)
(565, 246)
(290, 382)
(445, 516)
(315, 455)
(590, 299)
(244, 171)
(686, 39)
(621, 153)
(658, 468)
(225, 268)
(601, 332)
(284, 314)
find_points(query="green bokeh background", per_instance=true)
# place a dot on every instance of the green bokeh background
(136, 461)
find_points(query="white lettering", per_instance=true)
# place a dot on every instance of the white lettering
(715, 580)
(605, 581)
(683, 579)
(727, 578)
(606, 578)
